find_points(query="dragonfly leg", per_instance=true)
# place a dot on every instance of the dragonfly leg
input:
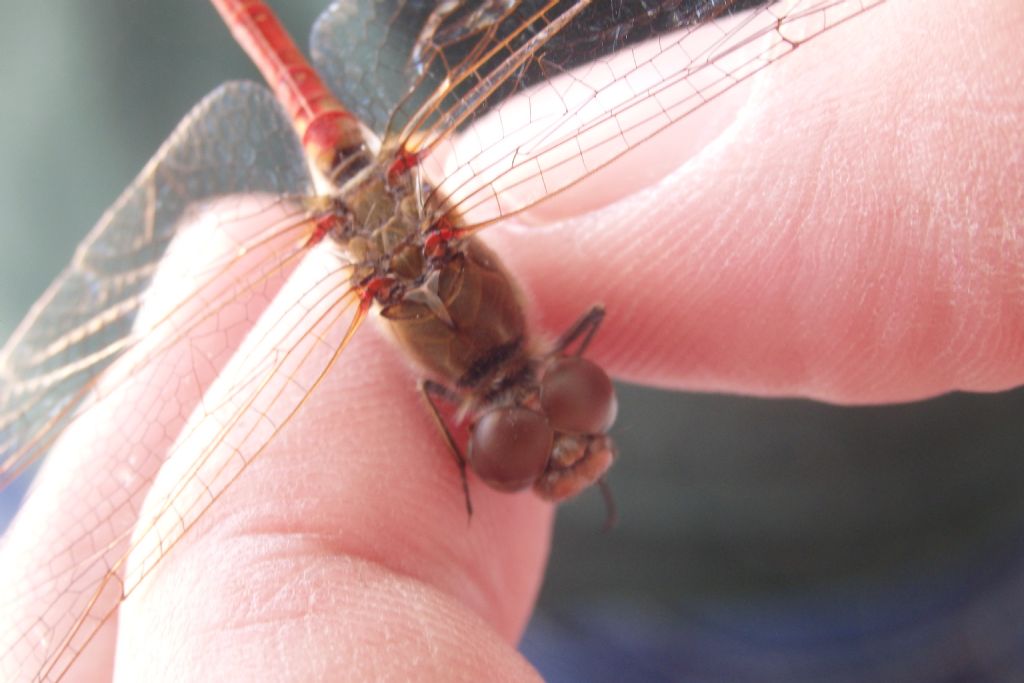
(611, 510)
(586, 327)
(432, 391)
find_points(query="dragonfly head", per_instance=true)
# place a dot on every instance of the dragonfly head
(560, 448)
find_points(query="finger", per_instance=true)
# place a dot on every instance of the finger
(75, 523)
(852, 235)
(343, 550)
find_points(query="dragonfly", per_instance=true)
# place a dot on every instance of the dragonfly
(373, 168)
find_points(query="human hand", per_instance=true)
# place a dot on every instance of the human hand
(344, 550)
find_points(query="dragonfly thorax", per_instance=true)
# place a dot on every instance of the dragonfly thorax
(536, 417)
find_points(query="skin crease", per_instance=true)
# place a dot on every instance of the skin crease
(853, 237)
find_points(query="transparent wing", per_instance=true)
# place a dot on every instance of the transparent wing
(60, 367)
(387, 58)
(278, 366)
(450, 67)
(236, 140)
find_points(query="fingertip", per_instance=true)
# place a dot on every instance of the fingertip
(849, 239)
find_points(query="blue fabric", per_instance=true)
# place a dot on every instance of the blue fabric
(965, 625)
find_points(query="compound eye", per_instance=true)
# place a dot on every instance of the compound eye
(509, 447)
(578, 397)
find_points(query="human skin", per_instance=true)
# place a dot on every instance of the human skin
(855, 237)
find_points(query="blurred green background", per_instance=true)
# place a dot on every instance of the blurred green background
(759, 540)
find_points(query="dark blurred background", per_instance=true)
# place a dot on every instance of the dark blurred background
(759, 540)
